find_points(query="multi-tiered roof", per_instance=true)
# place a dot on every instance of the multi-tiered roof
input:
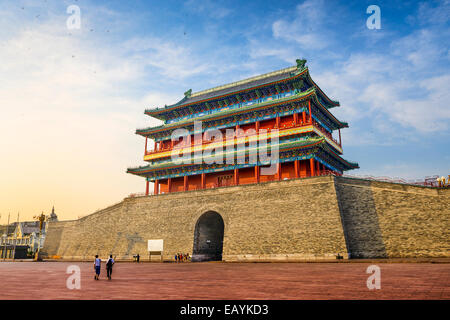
(287, 101)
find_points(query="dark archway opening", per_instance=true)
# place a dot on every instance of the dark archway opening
(208, 237)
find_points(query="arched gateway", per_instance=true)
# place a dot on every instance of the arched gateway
(208, 237)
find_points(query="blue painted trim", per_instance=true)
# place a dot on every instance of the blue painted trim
(233, 106)
(251, 120)
(327, 165)
(241, 166)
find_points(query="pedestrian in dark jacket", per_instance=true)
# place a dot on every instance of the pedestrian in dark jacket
(109, 267)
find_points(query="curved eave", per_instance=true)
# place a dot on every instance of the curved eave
(218, 115)
(300, 144)
(340, 124)
(350, 164)
(333, 103)
(158, 112)
(300, 96)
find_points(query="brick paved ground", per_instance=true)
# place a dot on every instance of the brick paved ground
(47, 280)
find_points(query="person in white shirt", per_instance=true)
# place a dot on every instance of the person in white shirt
(97, 265)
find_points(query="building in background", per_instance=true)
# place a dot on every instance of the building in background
(22, 239)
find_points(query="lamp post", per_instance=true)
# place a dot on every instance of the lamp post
(4, 246)
(41, 218)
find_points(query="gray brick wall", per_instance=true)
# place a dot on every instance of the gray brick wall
(278, 221)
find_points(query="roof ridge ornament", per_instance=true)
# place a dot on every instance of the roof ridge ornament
(188, 93)
(301, 63)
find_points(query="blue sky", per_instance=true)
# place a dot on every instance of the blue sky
(71, 99)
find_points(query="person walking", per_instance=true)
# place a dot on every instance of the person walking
(109, 267)
(176, 258)
(97, 265)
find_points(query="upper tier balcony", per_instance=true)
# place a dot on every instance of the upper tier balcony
(284, 129)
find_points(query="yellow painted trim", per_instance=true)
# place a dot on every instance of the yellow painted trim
(330, 141)
(244, 139)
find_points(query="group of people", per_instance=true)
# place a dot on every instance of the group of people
(98, 264)
(179, 257)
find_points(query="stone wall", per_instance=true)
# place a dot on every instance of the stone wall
(382, 219)
(285, 220)
(292, 220)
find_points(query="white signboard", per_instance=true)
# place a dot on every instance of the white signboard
(156, 245)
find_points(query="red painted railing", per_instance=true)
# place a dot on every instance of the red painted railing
(325, 132)
(288, 125)
(241, 182)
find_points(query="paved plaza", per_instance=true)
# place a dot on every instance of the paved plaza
(47, 280)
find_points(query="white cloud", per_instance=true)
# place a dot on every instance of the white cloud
(422, 48)
(406, 84)
(69, 108)
(259, 49)
(306, 28)
(170, 59)
(392, 88)
(429, 14)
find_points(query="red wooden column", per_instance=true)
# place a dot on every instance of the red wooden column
(304, 117)
(147, 187)
(236, 177)
(257, 174)
(318, 168)
(257, 127)
(310, 114)
(169, 185)
(145, 145)
(296, 118)
(297, 167)
(186, 186)
(279, 171)
(154, 146)
(278, 122)
(311, 165)
(340, 141)
(156, 187)
(203, 180)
